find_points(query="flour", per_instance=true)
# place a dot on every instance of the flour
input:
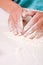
(18, 50)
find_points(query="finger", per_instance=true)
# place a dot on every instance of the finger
(40, 25)
(30, 31)
(27, 19)
(15, 31)
(32, 36)
(20, 26)
(11, 26)
(27, 12)
(10, 20)
(32, 22)
(39, 35)
(36, 27)
(40, 28)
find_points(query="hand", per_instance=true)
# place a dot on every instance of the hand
(15, 19)
(34, 27)
(15, 15)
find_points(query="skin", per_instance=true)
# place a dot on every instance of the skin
(15, 14)
(34, 27)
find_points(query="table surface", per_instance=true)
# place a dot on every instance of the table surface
(17, 50)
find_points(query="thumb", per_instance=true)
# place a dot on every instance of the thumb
(28, 12)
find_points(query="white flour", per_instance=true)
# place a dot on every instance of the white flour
(15, 50)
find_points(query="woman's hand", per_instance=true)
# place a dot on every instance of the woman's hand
(34, 27)
(15, 19)
(15, 15)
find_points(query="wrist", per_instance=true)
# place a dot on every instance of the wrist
(8, 5)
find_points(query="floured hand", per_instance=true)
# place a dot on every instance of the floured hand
(34, 27)
(15, 19)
